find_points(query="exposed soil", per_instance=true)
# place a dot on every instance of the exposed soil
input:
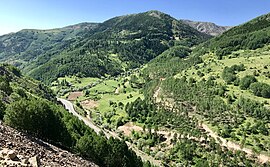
(233, 146)
(74, 95)
(129, 127)
(89, 104)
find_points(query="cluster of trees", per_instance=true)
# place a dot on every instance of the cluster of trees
(229, 73)
(258, 88)
(50, 122)
(246, 81)
(98, 61)
(208, 97)
(170, 62)
(185, 150)
(37, 117)
(145, 111)
(189, 152)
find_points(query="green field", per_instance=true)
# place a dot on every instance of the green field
(111, 96)
(255, 62)
(79, 82)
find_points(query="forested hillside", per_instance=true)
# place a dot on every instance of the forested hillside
(95, 50)
(223, 84)
(30, 48)
(31, 107)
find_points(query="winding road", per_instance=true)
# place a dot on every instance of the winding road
(69, 106)
(262, 158)
(233, 146)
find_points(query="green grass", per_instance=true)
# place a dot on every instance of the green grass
(108, 86)
(254, 61)
(105, 92)
(79, 82)
(104, 101)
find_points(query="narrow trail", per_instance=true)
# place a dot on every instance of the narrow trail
(262, 158)
(156, 94)
(233, 146)
(145, 157)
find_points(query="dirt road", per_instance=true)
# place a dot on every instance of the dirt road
(229, 144)
(233, 146)
(69, 106)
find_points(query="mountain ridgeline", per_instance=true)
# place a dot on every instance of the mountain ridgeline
(251, 35)
(207, 27)
(95, 50)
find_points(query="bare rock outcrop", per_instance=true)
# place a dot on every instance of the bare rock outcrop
(18, 149)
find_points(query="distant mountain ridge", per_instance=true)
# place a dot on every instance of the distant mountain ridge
(207, 27)
(251, 35)
(96, 50)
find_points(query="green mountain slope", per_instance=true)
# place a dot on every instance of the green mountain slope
(29, 106)
(95, 50)
(119, 44)
(251, 35)
(224, 83)
(27, 45)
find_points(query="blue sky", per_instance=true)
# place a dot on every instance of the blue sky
(43, 14)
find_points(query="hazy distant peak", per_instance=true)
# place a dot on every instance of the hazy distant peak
(207, 27)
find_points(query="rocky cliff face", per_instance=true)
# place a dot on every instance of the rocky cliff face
(207, 27)
(18, 149)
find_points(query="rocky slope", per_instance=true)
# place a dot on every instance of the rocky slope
(18, 149)
(207, 27)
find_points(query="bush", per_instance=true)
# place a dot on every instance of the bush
(260, 89)
(37, 118)
(247, 81)
(228, 75)
(5, 86)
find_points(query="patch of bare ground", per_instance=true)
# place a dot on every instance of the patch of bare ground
(233, 146)
(129, 127)
(89, 104)
(74, 95)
